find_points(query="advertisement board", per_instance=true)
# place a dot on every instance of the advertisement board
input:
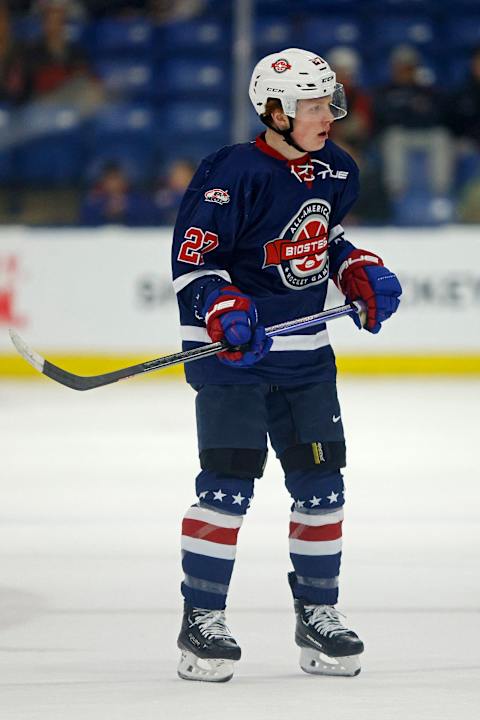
(108, 293)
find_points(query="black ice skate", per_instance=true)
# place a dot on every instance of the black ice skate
(327, 646)
(208, 648)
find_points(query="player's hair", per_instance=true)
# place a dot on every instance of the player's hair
(271, 105)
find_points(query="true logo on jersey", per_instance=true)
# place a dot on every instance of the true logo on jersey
(301, 251)
(281, 65)
(217, 195)
(307, 172)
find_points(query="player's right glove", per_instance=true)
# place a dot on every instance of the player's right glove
(362, 276)
(231, 317)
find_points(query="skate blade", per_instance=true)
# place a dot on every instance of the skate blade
(317, 663)
(192, 667)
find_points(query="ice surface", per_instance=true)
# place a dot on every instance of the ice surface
(93, 487)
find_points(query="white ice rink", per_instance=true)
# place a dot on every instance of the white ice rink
(93, 487)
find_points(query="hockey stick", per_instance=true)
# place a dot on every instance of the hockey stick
(79, 382)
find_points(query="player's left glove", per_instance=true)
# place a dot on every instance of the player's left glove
(231, 317)
(362, 276)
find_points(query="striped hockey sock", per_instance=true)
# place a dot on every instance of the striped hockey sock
(316, 550)
(209, 544)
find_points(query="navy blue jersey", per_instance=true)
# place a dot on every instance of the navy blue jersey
(272, 227)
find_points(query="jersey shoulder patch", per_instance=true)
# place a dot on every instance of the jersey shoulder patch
(217, 195)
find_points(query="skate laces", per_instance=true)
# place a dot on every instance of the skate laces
(325, 619)
(211, 623)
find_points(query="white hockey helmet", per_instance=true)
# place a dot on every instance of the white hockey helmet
(292, 75)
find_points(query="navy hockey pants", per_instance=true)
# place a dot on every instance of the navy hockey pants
(305, 430)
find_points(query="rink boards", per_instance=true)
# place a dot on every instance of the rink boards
(95, 300)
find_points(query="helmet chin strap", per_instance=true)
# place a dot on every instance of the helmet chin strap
(286, 134)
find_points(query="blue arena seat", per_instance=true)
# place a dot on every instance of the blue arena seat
(190, 76)
(123, 133)
(463, 32)
(192, 129)
(422, 208)
(274, 6)
(391, 30)
(408, 6)
(467, 168)
(130, 79)
(456, 70)
(320, 6)
(50, 144)
(210, 36)
(271, 34)
(327, 32)
(181, 119)
(130, 37)
(467, 5)
(134, 119)
(28, 28)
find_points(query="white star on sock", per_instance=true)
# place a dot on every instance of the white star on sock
(203, 495)
(249, 501)
(237, 499)
(219, 495)
(300, 503)
(315, 501)
(332, 497)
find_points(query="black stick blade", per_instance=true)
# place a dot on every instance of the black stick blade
(76, 382)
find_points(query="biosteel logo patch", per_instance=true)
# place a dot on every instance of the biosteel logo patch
(301, 252)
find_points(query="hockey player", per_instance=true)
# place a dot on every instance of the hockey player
(257, 238)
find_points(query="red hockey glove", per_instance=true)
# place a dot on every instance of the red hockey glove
(231, 316)
(362, 276)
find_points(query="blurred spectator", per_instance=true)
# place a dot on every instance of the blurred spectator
(357, 127)
(465, 113)
(373, 206)
(12, 62)
(465, 124)
(172, 10)
(469, 202)
(409, 116)
(57, 69)
(74, 9)
(112, 200)
(171, 190)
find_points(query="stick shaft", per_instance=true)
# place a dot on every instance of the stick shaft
(79, 382)
(272, 331)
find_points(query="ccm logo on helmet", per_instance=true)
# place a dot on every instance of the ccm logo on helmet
(217, 195)
(281, 65)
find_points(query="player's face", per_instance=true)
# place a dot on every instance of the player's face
(312, 123)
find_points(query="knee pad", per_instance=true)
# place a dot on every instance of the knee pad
(314, 491)
(224, 493)
(238, 462)
(323, 456)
